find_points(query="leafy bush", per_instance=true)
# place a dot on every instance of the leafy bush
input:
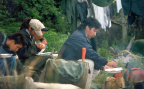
(55, 40)
(47, 11)
(3, 11)
(104, 50)
(10, 28)
(2, 30)
(100, 79)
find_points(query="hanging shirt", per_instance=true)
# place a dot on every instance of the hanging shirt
(119, 5)
(101, 17)
(135, 6)
(82, 11)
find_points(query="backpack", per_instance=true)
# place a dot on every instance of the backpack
(134, 78)
(134, 75)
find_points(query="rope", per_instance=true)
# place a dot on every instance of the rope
(135, 56)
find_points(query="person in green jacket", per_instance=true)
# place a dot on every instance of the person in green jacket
(33, 31)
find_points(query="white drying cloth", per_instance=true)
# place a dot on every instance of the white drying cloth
(119, 5)
(101, 16)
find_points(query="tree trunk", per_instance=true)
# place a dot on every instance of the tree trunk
(124, 28)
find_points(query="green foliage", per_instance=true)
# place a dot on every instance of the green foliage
(3, 11)
(10, 28)
(47, 11)
(100, 79)
(55, 40)
(2, 30)
(62, 25)
(104, 50)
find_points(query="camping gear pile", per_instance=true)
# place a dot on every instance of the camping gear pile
(133, 74)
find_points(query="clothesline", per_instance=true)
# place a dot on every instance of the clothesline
(103, 14)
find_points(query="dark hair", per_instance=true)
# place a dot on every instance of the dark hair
(18, 37)
(91, 22)
(25, 24)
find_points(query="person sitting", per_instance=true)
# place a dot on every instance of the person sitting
(10, 45)
(72, 48)
(33, 31)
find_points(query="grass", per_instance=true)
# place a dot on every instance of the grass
(56, 40)
(10, 28)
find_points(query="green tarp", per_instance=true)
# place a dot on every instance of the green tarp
(138, 47)
(65, 72)
(62, 71)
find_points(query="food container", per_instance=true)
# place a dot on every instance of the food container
(114, 70)
(5, 55)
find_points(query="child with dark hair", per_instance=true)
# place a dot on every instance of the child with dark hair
(9, 45)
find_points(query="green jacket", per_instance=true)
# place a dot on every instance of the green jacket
(30, 49)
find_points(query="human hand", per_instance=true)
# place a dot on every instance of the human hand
(112, 64)
(107, 67)
(44, 41)
(40, 45)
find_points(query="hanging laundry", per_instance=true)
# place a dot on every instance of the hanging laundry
(102, 16)
(107, 13)
(82, 10)
(102, 3)
(80, 1)
(111, 7)
(119, 5)
(78, 10)
(133, 8)
(70, 9)
(95, 7)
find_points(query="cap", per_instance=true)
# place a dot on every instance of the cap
(44, 29)
(37, 26)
